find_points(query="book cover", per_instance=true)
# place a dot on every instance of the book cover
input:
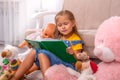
(57, 47)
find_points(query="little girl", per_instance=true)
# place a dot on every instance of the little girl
(67, 30)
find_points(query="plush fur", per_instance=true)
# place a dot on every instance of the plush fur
(107, 49)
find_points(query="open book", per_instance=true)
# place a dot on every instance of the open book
(57, 47)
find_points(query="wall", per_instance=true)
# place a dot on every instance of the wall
(91, 13)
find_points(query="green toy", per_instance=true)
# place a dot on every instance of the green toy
(5, 61)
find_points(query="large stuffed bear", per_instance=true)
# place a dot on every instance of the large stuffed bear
(107, 49)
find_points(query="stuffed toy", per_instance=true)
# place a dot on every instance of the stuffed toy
(87, 70)
(9, 52)
(9, 57)
(6, 75)
(85, 66)
(107, 49)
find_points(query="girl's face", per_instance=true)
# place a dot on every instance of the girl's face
(65, 26)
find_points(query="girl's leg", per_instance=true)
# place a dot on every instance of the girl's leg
(44, 63)
(25, 65)
(33, 68)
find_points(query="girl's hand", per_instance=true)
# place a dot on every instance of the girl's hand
(70, 50)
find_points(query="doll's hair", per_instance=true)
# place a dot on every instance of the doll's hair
(70, 16)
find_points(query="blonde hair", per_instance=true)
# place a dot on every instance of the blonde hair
(70, 17)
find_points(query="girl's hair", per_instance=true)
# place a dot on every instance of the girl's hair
(70, 17)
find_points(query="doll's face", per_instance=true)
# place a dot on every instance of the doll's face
(48, 31)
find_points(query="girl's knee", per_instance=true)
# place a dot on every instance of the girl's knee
(41, 55)
(32, 52)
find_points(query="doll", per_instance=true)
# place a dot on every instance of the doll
(47, 32)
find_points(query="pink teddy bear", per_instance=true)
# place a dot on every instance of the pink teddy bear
(107, 49)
